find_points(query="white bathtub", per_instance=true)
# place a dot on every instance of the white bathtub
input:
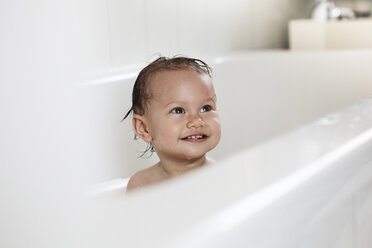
(295, 158)
(260, 95)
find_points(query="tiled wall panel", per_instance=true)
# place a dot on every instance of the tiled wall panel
(219, 26)
(127, 21)
(193, 28)
(54, 43)
(201, 28)
(162, 22)
(241, 25)
(82, 34)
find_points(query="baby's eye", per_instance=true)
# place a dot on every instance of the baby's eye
(178, 110)
(206, 108)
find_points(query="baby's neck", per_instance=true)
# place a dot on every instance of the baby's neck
(176, 168)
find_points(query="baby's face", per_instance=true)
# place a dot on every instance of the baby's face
(181, 117)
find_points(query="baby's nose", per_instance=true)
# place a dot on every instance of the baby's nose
(195, 122)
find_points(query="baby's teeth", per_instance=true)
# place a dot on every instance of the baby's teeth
(196, 137)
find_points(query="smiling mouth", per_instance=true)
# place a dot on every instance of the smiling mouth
(196, 138)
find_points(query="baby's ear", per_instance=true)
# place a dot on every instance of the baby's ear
(140, 128)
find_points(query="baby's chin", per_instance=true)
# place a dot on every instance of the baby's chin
(197, 155)
(190, 157)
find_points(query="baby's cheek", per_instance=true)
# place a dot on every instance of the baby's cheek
(170, 135)
(217, 128)
(215, 121)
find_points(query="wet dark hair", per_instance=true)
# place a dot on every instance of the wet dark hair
(141, 94)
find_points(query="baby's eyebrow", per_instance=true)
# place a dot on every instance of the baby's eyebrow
(174, 102)
(213, 99)
(184, 103)
(210, 99)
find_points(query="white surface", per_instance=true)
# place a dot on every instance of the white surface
(127, 31)
(114, 187)
(275, 92)
(162, 27)
(308, 188)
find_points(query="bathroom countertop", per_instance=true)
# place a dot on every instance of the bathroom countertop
(309, 34)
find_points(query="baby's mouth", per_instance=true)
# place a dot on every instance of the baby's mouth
(196, 138)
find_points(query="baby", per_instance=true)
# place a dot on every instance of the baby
(174, 111)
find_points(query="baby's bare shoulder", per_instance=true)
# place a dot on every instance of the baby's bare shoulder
(138, 179)
(142, 178)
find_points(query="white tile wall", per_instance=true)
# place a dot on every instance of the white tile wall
(219, 23)
(193, 28)
(53, 43)
(241, 25)
(268, 24)
(83, 44)
(90, 36)
(201, 28)
(162, 22)
(127, 25)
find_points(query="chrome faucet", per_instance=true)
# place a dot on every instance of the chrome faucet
(326, 10)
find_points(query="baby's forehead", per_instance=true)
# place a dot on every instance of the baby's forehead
(174, 85)
(174, 76)
(177, 81)
(176, 73)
